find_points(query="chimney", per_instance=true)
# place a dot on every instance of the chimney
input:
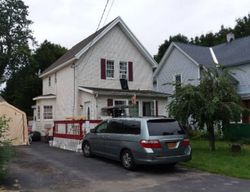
(230, 37)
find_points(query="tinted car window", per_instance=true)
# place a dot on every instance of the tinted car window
(115, 126)
(158, 127)
(132, 127)
(102, 128)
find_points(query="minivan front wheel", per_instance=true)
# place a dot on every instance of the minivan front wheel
(86, 149)
(127, 160)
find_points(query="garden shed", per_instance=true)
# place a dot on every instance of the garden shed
(17, 126)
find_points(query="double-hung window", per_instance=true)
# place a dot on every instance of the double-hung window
(177, 81)
(47, 112)
(123, 70)
(110, 69)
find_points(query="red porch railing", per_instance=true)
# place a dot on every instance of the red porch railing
(72, 129)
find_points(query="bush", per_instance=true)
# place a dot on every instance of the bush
(6, 151)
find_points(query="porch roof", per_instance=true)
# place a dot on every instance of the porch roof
(120, 92)
(48, 96)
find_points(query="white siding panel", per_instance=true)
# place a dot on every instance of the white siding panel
(242, 74)
(116, 46)
(177, 63)
(65, 93)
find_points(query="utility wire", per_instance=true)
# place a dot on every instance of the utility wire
(108, 12)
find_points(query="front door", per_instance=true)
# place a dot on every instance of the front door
(87, 110)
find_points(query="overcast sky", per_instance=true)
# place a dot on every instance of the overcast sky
(66, 22)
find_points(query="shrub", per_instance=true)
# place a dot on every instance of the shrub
(6, 151)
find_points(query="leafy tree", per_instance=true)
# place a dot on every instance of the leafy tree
(28, 76)
(5, 146)
(14, 36)
(47, 54)
(209, 104)
(163, 47)
(242, 27)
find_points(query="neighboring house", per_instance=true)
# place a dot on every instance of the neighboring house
(107, 74)
(17, 131)
(183, 64)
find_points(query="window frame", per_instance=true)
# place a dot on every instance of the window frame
(47, 115)
(175, 82)
(109, 70)
(122, 71)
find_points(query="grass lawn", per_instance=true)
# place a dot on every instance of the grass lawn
(221, 161)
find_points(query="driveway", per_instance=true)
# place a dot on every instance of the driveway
(41, 168)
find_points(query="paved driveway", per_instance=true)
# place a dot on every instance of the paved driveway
(42, 168)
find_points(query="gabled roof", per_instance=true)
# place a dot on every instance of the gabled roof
(236, 52)
(79, 49)
(120, 92)
(199, 53)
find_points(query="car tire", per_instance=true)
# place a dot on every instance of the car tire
(127, 160)
(86, 149)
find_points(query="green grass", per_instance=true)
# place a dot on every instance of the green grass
(221, 161)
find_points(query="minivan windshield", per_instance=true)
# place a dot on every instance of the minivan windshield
(157, 127)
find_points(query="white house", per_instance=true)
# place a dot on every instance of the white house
(108, 73)
(183, 64)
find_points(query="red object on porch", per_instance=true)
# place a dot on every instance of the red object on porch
(71, 129)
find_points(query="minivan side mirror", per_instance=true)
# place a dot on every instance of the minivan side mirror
(92, 130)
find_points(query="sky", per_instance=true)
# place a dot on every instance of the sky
(67, 22)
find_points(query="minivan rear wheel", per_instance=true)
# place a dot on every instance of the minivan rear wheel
(127, 160)
(86, 150)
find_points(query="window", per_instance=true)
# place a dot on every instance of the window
(102, 128)
(49, 82)
(47, 112)
(148, 108)
(120, 102)
(110, 70)
(38, 112)
(123, 70)
(124, 127)
(55, 77)
(164, 127)
(177, 81)
(132, 127)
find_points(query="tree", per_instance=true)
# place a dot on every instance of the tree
(163, 47)
(28, 76)
(47, 54)
(6, 151)
(14, 37)
(209, 104)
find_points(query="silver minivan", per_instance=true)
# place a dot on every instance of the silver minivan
(139, 141)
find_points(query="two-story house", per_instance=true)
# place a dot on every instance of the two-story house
(183, 64)
(107, 74)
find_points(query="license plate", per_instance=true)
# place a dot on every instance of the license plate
(171, 145)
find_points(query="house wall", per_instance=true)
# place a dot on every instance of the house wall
(43, 125)
(52, 88)
(242, 74)
(65, 93)
(116, 46)
(176, 63)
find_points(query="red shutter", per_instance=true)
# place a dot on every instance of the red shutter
(109, 102)
(156, 108)
(130, 71)
(103, 69)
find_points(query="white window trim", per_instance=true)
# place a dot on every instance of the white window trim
(51, 112)
(120, 69)
(107, 66)
(174, 79)
(39, 119)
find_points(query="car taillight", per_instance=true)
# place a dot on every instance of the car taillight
(185, 143)
(150, 143)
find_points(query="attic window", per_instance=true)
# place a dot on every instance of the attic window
(177, 81)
